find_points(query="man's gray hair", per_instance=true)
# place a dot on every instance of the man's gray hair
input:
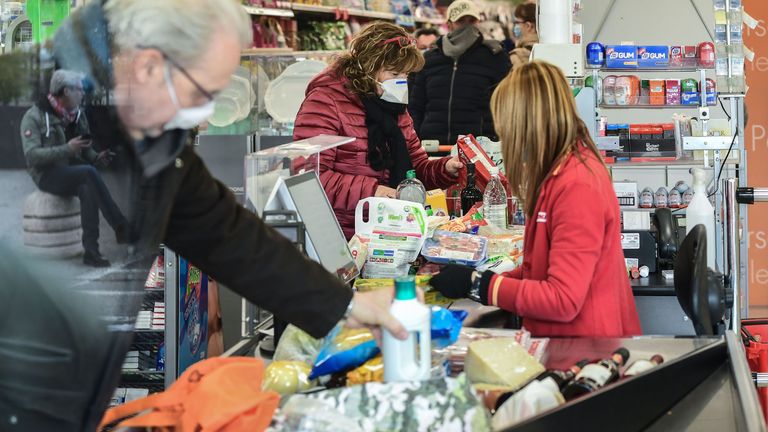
(182, 29)
(64, 78)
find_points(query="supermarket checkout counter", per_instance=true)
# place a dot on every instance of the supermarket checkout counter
(704, 383)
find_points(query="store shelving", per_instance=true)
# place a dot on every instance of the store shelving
(644, 106)
(290, 9)
(630, 70)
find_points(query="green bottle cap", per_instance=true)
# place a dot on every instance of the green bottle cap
(411, 174)
(405, 288)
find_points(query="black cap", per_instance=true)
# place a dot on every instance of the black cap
(624, 353)
(471, 167)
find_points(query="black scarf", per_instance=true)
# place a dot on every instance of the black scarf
(386, 144)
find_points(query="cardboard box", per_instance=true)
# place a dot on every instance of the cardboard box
(690, 58)
(652, 56)
(436, 203)
(657, 94)
(626, 192)
(690, 98)
(645, 148)
(621, 56)
(470, 151)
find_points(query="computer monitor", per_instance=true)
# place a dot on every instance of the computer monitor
(325, 240)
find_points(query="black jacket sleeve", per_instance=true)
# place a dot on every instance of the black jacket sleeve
(418, 100)
(501, 67)
(209, 228)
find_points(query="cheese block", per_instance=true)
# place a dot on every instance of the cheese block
(500, 363)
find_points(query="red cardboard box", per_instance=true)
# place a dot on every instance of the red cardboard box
(470, 151)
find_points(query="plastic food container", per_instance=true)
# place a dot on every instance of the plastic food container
(446, 247)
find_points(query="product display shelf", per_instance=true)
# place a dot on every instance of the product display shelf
(644, 106)
(286, 12)
(662, 164)
(643, 70)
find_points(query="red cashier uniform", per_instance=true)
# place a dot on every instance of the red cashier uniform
(573, 281)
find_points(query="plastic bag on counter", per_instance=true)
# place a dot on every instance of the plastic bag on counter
(446, 326)
(447, 247)
(536, 398)
(297, 345)
(435, 405)
(306, 414)
(395, 231)
(344, 349)
(287, 377)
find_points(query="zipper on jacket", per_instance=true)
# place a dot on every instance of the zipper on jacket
(450, 101)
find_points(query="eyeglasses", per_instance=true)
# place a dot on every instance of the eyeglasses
(403, 41)
(208, 95)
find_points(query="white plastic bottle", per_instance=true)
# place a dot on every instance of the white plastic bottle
(700, 211)
(410, 359)
(495, 201)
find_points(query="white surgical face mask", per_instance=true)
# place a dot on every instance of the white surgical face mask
(185, 118)
(395, 90)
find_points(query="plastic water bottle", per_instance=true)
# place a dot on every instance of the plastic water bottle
(495, 201)
(411, 189)
(410, 359)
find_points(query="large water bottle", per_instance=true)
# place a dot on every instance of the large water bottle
(411, 189)
(495, 201)
(410, 359)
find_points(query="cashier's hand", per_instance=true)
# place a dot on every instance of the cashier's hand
(453, 281)
(371, 309)
(453, 166)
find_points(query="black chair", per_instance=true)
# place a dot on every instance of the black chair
(703, 293)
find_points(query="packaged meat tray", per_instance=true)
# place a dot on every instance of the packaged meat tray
(446, 247)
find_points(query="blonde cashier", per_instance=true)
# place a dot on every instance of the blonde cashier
(573, 281)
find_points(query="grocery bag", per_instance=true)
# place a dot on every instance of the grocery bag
(395, 231)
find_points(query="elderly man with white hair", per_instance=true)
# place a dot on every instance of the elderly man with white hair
(60, 159)
(157, 67)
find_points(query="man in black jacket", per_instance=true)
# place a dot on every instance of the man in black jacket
(157, 66)
(452, 93)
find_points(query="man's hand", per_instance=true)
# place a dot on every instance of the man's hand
(385, 192)
(453, 165)
(371, 309)
(104, 158)
(78, 143)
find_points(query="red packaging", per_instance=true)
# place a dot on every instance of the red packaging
(706, 55)
(690, 57)
(471, 152)
(676, 56)
(672, 88)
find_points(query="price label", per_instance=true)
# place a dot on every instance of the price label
(630, 241)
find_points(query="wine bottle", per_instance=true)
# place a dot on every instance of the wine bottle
(470, 195)
(594, 376)
(561, 378)
(642, 365)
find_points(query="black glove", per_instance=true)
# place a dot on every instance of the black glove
(453, 281)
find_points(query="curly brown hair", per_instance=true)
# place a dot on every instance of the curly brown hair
(368, 54)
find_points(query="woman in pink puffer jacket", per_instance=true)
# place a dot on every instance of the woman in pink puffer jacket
(364, 95)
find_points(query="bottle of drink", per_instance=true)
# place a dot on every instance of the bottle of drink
(642, 365)
(594, 376)
(470, 195)
(495, 201)
(411, 189)
(561, 378)
(410, 359)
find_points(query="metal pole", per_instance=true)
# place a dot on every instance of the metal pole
(731, 249)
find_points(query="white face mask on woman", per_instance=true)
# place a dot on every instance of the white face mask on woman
(185, 118)
(395, 90)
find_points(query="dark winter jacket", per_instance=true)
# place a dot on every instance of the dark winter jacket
(453, 98)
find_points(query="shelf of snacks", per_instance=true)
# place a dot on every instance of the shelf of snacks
(339, 11)
(648, 106)
(665, 69)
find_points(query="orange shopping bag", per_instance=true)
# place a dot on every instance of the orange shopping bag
(214, 395)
